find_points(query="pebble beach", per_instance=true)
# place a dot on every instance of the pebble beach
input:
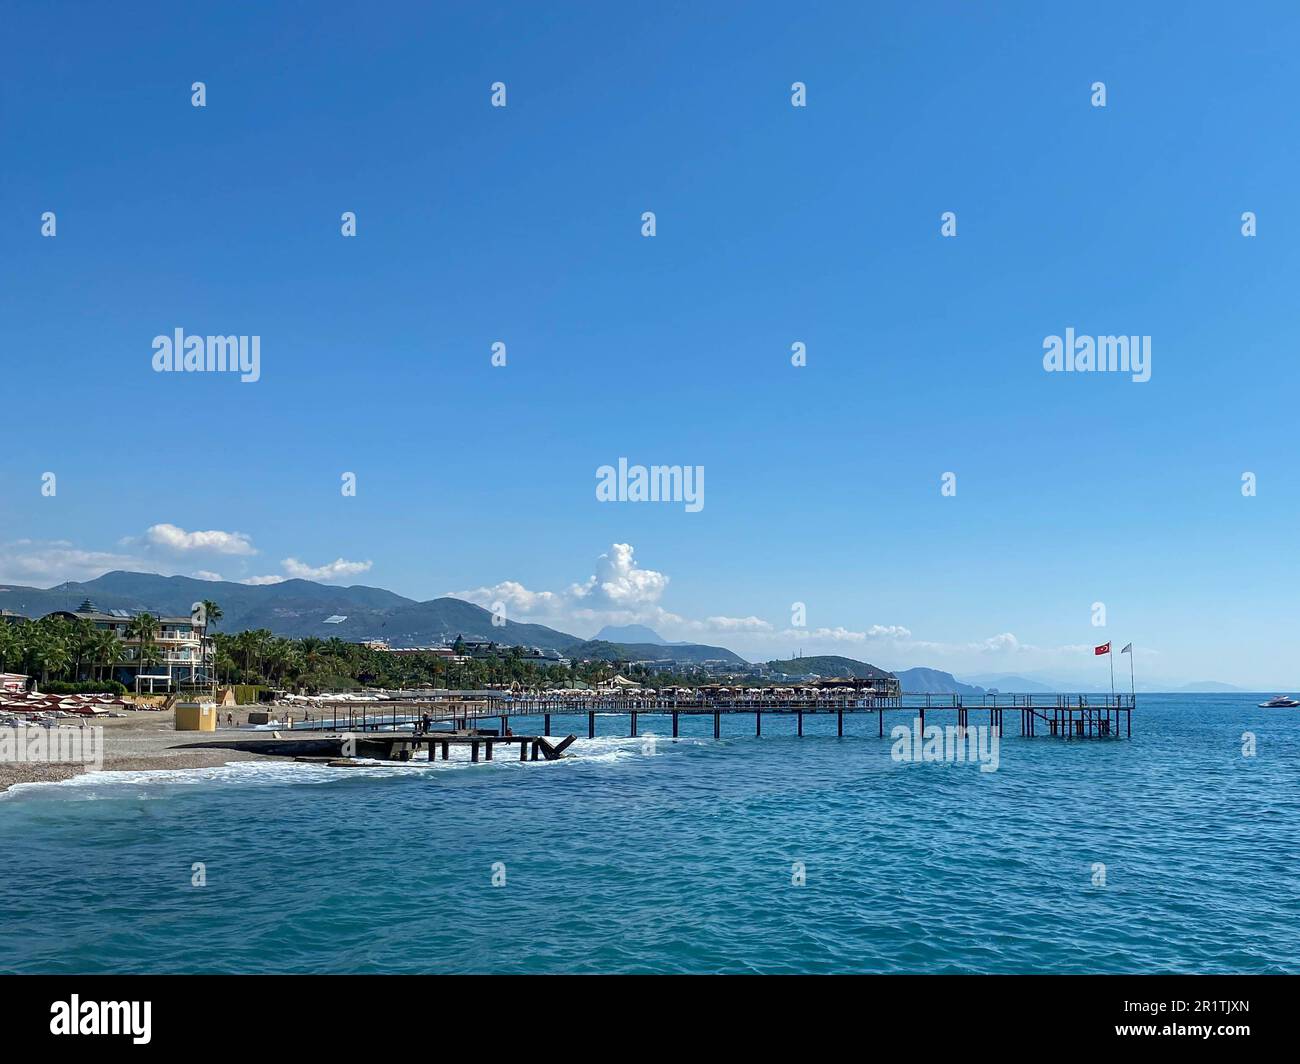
(141, 739)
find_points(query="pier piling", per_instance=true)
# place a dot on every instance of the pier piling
(402, 723)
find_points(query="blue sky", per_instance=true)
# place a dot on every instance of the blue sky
(775, 224)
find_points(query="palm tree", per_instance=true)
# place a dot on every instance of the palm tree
(339, 648)
(107, 652)
(51, 657)
(262, 638)
(224, 664)
(281, 659)
(211, 615)
(245, 646)
(82, 643)
(143, 628)
(11, 645)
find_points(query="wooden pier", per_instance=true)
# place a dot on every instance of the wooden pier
(394, 745)
(401, 746)
(1066, 717)
(1060, 716)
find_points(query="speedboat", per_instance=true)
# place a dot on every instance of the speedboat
(1280, 702)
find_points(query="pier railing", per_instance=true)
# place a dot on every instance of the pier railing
(1060, 714)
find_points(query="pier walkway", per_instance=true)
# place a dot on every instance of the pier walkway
(1055, 715)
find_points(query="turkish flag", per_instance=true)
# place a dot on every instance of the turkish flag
(1103, 649)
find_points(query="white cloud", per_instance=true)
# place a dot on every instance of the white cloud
(877, 632)
(516, 597)
(619, 583)
(334, 570)
(31, 561)
(294, 569)
(174, 538)
(47, 562)
(737, 624)
(619, 592)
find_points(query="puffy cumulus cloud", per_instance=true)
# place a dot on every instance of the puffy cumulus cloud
(338, 569)
(840, 634)
(516, 597)
(174, 538)
(619, 583)
(1004, 644)
(335, 570)
(622, 591)
(33, 561)
(205, 574)
(737, 624)
(618, 592)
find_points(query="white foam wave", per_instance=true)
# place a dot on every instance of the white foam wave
(155, 783)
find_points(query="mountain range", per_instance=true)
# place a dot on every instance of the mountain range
(298, 608)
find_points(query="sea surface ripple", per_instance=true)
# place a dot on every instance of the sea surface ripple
(681, 856)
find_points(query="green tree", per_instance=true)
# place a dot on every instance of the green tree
(11, 645)
(143, 629)
(211, 615)
(107, 652)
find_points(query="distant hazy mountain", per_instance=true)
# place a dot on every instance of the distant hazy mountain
(628, 633)
(827, 666)
(299, 608)
(293, 608)
(933, 682)
(1209, 687)
(1016, 684)
(683, 653)
(302, 607)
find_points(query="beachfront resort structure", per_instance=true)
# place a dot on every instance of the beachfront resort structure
(466, 650)
(178, 654)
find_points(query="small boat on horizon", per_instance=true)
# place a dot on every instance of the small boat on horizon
(1280, 702)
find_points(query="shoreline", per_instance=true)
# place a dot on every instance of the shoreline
(143, 740)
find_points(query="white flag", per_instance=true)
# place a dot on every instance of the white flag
(1128, 649)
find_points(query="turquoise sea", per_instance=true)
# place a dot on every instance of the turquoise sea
(680, 856)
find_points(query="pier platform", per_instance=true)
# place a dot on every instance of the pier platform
(1057, 716)
(396, 745)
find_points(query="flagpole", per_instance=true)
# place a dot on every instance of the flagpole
(1110, 653)
(1132, 685)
